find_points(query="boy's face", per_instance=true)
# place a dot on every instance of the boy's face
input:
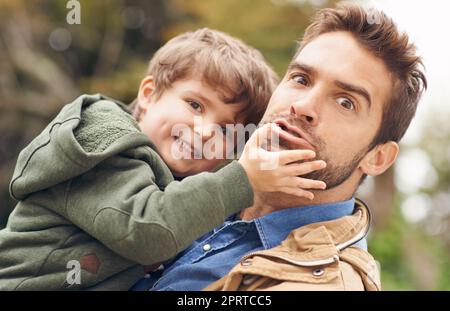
(185, 124)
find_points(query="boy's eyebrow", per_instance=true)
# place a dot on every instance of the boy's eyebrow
(223, 98)
(205, 99)
(199, 96)
(355, 89)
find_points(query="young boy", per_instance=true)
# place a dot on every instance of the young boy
(96, 189)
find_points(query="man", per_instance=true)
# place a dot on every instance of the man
(349, 94)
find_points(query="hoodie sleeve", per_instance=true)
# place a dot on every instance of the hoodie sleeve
(120, 204)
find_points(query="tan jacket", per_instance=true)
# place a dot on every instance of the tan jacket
(319, 256)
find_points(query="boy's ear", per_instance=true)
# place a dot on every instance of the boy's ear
(145, 92)
(379, 159)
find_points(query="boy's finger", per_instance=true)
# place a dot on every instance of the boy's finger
(305, 183)
(261, 134)
(288, 156)
(303, 168)
(297, 192)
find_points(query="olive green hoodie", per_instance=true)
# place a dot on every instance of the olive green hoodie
(92, 188)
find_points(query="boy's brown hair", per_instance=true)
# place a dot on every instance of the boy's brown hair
(378, 34)
(233, 68)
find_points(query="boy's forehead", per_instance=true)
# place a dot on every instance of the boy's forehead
(204, 90)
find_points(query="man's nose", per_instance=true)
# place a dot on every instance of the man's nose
(306, 109)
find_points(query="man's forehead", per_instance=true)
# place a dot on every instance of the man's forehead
(337, 56)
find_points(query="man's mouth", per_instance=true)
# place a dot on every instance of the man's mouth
(294, 137)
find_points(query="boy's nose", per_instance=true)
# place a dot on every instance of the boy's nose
(207, 131)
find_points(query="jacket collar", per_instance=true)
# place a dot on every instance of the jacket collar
(313, 245)
(322, 241)
(275, 227)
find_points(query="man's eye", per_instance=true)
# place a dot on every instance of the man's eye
(300, 79)
(195, 105)
(346, 103)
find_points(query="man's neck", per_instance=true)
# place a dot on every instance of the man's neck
(267, 203)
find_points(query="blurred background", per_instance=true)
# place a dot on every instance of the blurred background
(46, 62)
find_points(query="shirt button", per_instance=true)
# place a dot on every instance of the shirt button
(207, 247)
(147, 276)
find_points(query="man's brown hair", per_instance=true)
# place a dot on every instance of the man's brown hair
(233, 68)
(378, 33)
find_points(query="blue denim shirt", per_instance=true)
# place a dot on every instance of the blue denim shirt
(212, 256)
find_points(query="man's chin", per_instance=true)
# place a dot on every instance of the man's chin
(285, 146)
(277, 147)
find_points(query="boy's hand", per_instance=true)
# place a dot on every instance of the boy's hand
(273, 171)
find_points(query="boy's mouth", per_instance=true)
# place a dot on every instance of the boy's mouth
(186, 148)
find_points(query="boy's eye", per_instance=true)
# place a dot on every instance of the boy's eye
(301, 79)
(195, 105)
(346, 103)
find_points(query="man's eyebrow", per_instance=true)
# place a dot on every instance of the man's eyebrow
(303, 67)
(355, 89)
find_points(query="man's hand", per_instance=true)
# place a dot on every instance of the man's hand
(274, 171)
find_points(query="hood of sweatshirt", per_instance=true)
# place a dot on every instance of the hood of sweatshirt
(85, 132)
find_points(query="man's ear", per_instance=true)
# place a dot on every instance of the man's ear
(145, 93)
(379, 159)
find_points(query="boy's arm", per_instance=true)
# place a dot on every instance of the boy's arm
(119, 203)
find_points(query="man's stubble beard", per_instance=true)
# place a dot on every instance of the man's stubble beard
(335, 173)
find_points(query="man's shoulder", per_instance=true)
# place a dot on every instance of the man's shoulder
(318, 256)
(352, 269)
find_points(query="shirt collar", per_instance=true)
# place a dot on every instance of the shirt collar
(275, 227)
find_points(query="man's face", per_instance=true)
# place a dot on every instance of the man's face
(331, 101)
